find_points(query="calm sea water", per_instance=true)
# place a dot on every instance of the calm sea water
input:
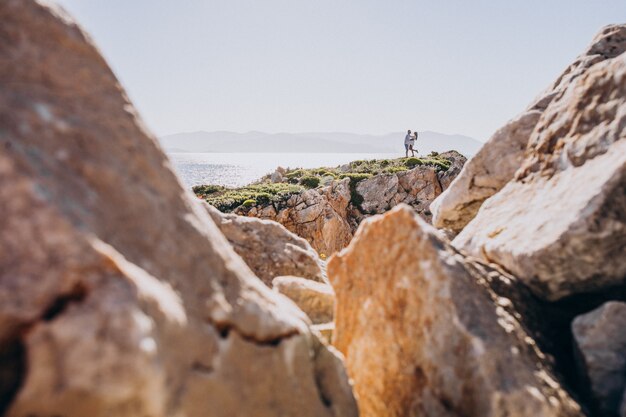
(237, 169)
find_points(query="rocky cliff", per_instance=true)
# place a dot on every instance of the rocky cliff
(122, 294)
(326, 205)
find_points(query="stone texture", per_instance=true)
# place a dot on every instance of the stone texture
(601, 343)
(268, 248)
(425, 333)
(377, 192)
(118, 294)
(316, 299)
(560, 224)
(498, 160)
(327, 218)
(457, 163)
(317, 215)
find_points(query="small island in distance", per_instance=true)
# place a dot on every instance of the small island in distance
(314, 142)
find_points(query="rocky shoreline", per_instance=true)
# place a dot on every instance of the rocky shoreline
(122, 294)
(325, 206)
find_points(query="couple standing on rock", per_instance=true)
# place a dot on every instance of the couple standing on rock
(409, 142)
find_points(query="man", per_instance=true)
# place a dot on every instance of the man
(413, 140)
(408, 142)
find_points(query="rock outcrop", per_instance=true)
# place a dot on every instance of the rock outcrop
(426, 334)
(316, 299)
(601, 343)
(268, 248)
(118, 294)
(327, 217)
(317, 215)
(560, 224)
(498, 160)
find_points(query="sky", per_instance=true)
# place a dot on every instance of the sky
(362, 66)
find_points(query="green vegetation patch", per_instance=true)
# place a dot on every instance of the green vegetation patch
(230, 198)
(300, 179)
(310, 181)
(207, 189)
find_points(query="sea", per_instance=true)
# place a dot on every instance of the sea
(239, 169)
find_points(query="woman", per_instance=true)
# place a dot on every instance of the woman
(412, 143)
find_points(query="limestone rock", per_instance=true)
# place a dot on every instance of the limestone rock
(117, 290)
(457, 163)
(327, 217)
(424, 334)
(325, 331)
(498, 160)
(316, 299)
(601, 342)
(485, 173)
(317, 215)
(268, 248)
(377, 192)
(560, 224)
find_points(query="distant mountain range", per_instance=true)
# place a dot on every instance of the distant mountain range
(315, 142)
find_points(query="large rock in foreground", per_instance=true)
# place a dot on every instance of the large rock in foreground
(118, 294)
(317, 300)
(498, 160)
(268, 248)
(424, 334)
(601, 343)
(560, 224)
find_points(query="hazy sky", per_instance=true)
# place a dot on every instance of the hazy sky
(365, 66)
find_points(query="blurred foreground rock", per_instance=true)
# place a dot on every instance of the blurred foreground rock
(601, 343)
(560, 224)
(317, 300)
(268, 248)
(118, 294)
(496, 163)
(424, 333)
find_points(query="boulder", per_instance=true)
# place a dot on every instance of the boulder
(118, 294)
(601, 343)
(457, 162)
(377, 193)
(268, 248)
(498, 160)
(316, 299)
(424, 332)
(560, 224)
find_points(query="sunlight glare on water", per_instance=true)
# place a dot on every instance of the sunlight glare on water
(238, 169)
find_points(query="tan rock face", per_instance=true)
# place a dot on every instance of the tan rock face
(498, 160)
(116, 288)
(316, 299)
(425, 334)
(327, 218)
(317, 215)
(601, 342)
(560, 225)
(268, 248)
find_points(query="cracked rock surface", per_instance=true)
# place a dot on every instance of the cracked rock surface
(497, 161)
(560, 224)
(268, 248)
(119, 296)
(427, 331)
(328, 217)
